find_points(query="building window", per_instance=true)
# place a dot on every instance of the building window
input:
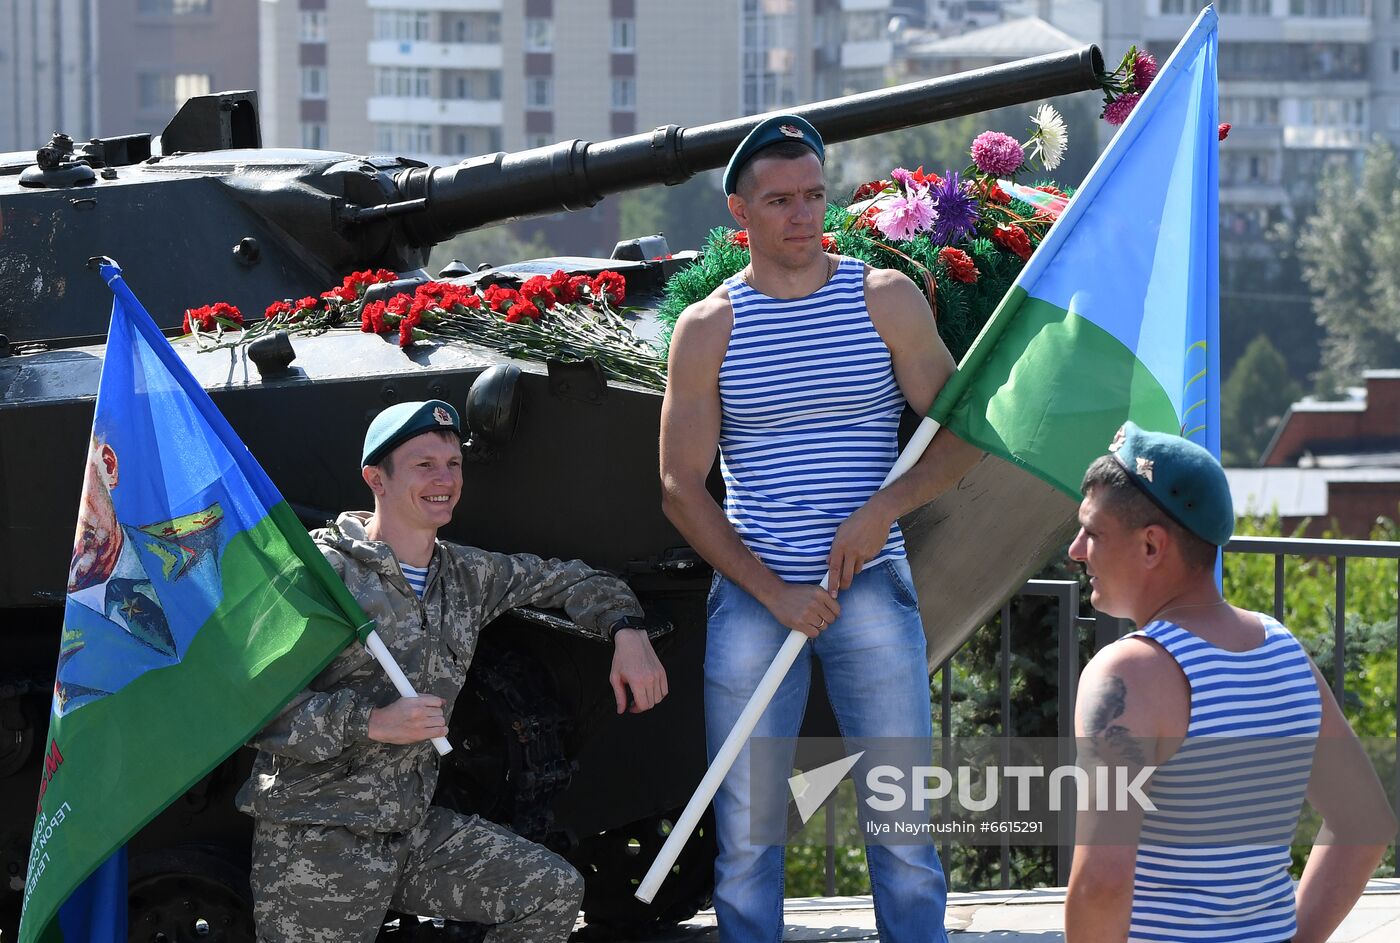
(403, 25)
(166, 92)
(1395, 59)
(313, 26)
(539, 92)
(313, 135)
(403, 82)
(480, 85)
(313, 81)
(537, 140)
(477, 28)
(539, 34)
(624, 94)
(404, 138)
(173, 7)
(624, 35)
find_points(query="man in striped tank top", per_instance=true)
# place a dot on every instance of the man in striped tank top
(1226, 707)
(797, 370)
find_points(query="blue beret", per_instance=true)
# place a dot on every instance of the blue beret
(1181, 478)
(401, 422)
(771, 131)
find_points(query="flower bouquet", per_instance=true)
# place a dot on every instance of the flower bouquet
(560, 316)
(962, 235)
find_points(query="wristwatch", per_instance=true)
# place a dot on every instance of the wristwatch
(626, 622)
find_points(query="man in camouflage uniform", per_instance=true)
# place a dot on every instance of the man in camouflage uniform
(344, 777)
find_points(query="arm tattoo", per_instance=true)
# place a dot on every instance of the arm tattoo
(1112, 740)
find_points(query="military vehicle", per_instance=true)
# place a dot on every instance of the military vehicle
(562, 463)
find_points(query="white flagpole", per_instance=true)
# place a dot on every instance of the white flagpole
(758, 702)
(381, 654)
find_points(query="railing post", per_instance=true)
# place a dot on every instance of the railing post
(1004, 864)
(1339, 648)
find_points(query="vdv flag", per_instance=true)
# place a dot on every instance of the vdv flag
(1116, 316)
(197, 607)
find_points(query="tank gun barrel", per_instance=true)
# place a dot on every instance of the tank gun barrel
(575, 175)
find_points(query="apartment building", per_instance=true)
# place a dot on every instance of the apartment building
(1302, 82)
(116, 66)
(442, 79)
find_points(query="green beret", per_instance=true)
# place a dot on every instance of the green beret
(771, 131)
(401, 422)
(1181, 478)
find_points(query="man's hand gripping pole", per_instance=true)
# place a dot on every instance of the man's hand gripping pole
(391, 668)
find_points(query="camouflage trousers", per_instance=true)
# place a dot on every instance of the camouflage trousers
(327, 884)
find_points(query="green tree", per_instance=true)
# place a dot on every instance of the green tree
(1253, 399)
(685, 213)
(494, 245)
(1350, 250)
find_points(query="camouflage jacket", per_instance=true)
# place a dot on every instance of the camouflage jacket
(316, 763)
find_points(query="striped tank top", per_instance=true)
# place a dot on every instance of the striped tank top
(810, 420)
(1212, 862)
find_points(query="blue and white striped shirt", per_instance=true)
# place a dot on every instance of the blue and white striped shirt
(810, 420)
(417, 577)
(1212, 862)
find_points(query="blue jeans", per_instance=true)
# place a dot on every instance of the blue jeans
(875, 664)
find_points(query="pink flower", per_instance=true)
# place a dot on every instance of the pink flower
(1117, 111)
(997, 153)
(902, 217)
(1144, 71)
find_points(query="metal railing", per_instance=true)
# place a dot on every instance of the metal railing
(1106, 629)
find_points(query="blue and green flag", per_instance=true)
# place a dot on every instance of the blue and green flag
(197, 607)
(1116, 315)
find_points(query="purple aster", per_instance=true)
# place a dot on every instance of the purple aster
(1117, 111)
(1144, 71)
(957, 210)
(997, 154)
(902, 217)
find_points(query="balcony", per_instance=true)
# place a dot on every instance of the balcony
(867, 54)
(1326, 138)
(453, 6)
(387, 109)
(426, 55)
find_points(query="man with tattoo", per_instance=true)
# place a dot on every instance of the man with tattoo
(1225, 708)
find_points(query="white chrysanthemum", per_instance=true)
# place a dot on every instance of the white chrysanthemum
(1051, 137)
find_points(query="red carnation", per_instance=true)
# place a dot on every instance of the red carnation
(930, 179)
(609, 287)
(406, 326)
(372, 318)
(828, 242)
(1013, 238)
(740, 238)
(1053, 191)
(207, 318)
(960, 264)
(867, 190)
(501, 298)
(536, 290)
(995, 194)
(520, 311)
(228, 312)
(341, 293)
(563, 287)
(277, 309)
(1223, 131)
